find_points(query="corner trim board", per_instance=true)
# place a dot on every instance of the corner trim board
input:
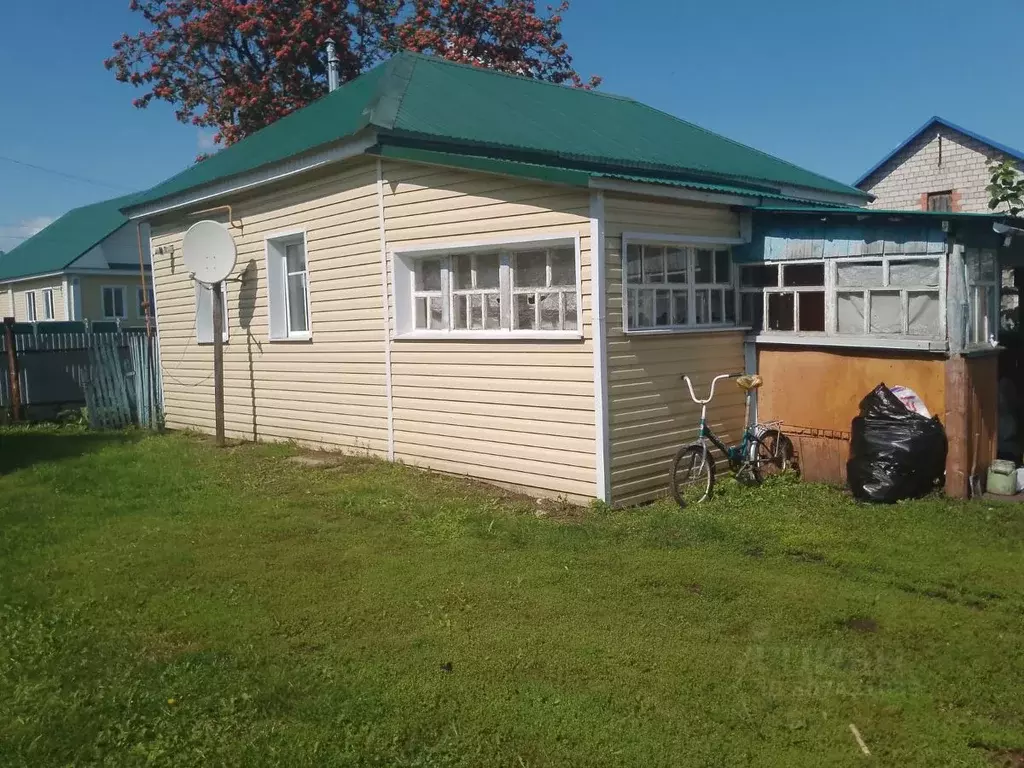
(385, 294)
(598, 284)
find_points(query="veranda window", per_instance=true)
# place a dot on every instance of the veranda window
(983, 289)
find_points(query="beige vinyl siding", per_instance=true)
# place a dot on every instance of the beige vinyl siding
(91, 287)
(6, 301)
(22, 287)
(328, 391)
(650, 411)
(519, 413)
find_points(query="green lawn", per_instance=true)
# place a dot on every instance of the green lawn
(166, 603)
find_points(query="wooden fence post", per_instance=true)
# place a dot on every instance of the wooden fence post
(12, 369)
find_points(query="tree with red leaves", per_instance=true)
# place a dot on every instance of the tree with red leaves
(238, 65)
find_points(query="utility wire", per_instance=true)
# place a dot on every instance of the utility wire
(72, 176)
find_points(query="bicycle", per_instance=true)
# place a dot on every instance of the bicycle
(763, 450)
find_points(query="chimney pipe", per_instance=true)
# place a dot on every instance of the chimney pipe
(332, 66)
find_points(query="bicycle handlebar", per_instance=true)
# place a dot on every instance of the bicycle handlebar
(711, 394)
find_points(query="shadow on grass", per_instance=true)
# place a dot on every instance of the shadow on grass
(22, 447)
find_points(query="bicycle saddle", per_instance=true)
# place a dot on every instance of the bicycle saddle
(749, 382)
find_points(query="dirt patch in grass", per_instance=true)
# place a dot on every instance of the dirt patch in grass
(1001, 756)
(167, 646)
(864, 624)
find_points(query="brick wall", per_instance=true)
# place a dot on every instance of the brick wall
(922, 167)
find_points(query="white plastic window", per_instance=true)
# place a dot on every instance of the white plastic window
(288, 287)
(48, 304)
(30, 306)
(113, 302)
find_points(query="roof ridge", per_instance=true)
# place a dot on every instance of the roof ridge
(761, 152)
(492, 71)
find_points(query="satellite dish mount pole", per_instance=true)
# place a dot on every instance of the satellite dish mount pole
(217, 289)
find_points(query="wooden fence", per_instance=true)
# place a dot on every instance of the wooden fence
(59, 367)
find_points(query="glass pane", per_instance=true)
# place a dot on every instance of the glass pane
(429, 275)
(549, 316)
(460, 303)
(295, 257)
(919, 272)
(487, 267)
(108, 302)
(780, 311)
(571, 321)
(119, 301)
(297, 303)
(923, 310)
(563, 267)
(722, 267)
(680, 307)
(866, 274)
(530, 269)
(463, 268)
(988, 265)
(436, 314)
(751, 309)
(476, 306)
(812, 311)
(675, 259)
(730, 306)
(850, 313)
(421, 312)
(702, 300)
(703, 267)
(759, 276)
(492, 312)
(654, 264)
(524, 311)
(886, 312)
(717, 308)
(662, 307)
(633, 262)
(645, 308)
(797, 275)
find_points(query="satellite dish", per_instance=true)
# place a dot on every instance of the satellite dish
(209, 252)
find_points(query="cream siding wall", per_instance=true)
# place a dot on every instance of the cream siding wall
(91, 287)
(22, 287)
(517, 413)
(650, 411)
(328, 391)
(6, 301)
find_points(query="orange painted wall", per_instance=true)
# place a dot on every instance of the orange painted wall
(817, 393)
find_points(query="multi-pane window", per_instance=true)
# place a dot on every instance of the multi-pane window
(113, 302)
(940, 201)
(288, 286)
(982, 295)
(675, 286)
(502, 289)
(881, 296)
(30, 306)
(48, 304)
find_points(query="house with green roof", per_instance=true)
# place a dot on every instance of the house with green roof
(497, 277)
(83, 266)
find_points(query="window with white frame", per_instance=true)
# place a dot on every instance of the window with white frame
(891, 297)
(288, 287)
(515, 289)
(113, 302)
(983, 295)
(48, 304)
(204, 312)
(672, 287)
(144, 306)
(30, 306)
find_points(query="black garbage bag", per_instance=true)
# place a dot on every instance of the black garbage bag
(894, 453)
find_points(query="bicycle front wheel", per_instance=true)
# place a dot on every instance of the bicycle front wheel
(693, 475)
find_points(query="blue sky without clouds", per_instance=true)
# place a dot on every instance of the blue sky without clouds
(829, 86)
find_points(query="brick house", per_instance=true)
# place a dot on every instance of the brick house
(940, 167)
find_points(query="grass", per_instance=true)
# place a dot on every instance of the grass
(166, 603)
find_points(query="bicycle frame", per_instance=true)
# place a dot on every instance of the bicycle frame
(736, 453)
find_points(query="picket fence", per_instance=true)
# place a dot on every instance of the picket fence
(61, 367)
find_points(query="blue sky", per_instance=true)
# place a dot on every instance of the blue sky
(830, 86)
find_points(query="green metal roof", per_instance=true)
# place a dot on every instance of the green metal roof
(55, 247)
(887, 212)
(462, 109)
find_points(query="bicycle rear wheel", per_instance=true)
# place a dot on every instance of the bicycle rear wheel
(775, 454)
(693, 475)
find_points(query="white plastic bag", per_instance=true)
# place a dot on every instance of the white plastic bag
(910, 399)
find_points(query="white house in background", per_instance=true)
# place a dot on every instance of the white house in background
(83, 266)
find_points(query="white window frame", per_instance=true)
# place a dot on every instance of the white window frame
(103, 302)
(30, 306)
(49, 310)
(403, 286)
(691, 244)
(277, 286)
(832, 289)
